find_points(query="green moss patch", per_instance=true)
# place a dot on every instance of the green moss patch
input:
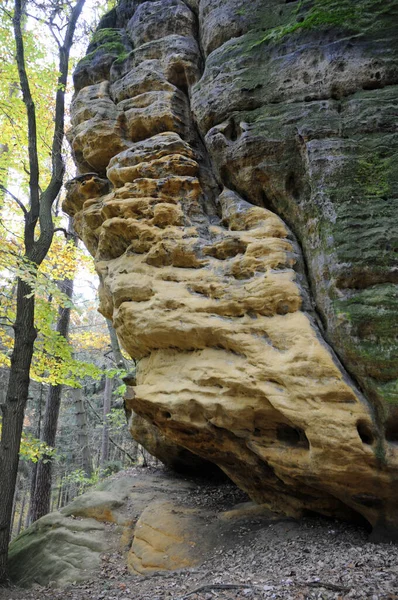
(372, 175)
(105, 41)
(316, 14)
(105, 37)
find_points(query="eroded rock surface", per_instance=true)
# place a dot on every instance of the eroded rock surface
(66, 546)
(168, 538)
(247, 242)
(153, 521)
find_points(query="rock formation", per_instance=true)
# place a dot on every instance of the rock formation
(154, 519)
(240, 199)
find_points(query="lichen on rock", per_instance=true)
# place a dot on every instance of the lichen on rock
(240, 203)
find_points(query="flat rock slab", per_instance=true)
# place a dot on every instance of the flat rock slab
(169, 537)
(157, 520)
(59, 550)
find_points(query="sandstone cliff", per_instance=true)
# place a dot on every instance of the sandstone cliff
(238, 191)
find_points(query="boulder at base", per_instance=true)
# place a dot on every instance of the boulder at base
(154, 521)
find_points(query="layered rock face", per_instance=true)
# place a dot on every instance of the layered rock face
(239, 195)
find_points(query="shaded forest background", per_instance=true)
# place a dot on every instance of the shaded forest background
(76, 361)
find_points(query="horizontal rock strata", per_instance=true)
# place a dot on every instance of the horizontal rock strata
(239, 197)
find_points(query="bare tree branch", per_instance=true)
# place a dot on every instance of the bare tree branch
(11, 233)
(63, 231)
(17, 200)
(100, 420)
(58, 167)
(7, 12)
(33, 215)
(9, 324)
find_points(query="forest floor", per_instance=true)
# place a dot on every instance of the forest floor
(286, 559)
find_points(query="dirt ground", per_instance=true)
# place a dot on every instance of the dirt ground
(314, 558)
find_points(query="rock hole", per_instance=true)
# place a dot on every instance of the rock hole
(232, 131)
(292, 436)
(392, 429)
(292, 187)
(227, 250)
(178, 77)
(282, 309)
(226, 177)
(372, 85)
(166, 414)
(378, 75)
(265, 201)
(365, 432)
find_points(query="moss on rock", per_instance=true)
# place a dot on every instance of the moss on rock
(107, 46)
(343, 14)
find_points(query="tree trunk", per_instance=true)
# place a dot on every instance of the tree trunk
(66, 496)
(23, 502)
(42, 494)
(13, 413)
(14, 506)
(117, 353)
(41, 500)
(82, 435)
(59, 494)
(105, 427)
(37, 244)
(63, 496)
(34, 465)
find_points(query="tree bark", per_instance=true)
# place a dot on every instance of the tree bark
(13, 413)
(42, 492)
(37, 245)
(117, 353)
(23, 502)
(14, 506)
(105, 426)
(34, 466)
(82, 435)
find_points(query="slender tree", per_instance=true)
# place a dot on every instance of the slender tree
(41, 500)
(38, 235)
(34, 465)
(105, 427)
(82, 431)
(121, 364)
(116, 351)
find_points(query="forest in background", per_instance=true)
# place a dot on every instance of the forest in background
(74, 426)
